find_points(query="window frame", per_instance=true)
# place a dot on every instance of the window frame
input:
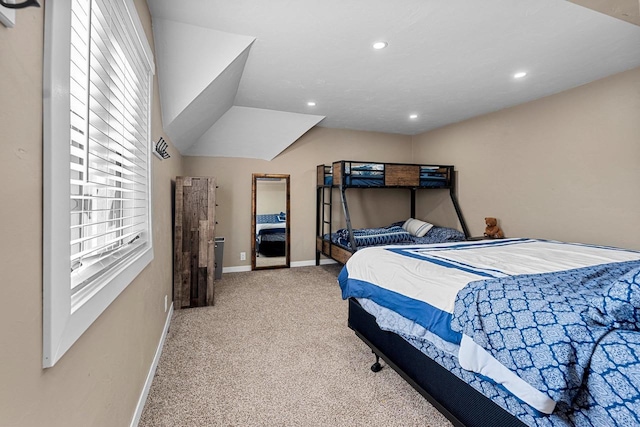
(63, 323)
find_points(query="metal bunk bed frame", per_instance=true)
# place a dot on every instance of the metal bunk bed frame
(394, 175)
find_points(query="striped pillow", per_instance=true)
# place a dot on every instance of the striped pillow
(416, 227)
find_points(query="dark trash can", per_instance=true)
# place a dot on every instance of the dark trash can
(219, 253)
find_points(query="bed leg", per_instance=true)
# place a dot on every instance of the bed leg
(376, 367)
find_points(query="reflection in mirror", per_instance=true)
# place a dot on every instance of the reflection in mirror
(270, 221)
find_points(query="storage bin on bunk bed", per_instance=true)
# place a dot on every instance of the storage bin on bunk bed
(367, 174)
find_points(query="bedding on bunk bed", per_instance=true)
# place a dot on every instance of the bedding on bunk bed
(271, 234)
(393, 234)
(555, 324)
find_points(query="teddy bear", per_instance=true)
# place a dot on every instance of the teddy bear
(492, 230)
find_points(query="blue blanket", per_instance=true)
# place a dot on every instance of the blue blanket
(270, 218)
(374, 236)
(546, 327)
(394, 234)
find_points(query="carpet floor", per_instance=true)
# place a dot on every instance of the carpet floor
(275, 350)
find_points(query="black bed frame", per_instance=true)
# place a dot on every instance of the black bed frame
(458, 401)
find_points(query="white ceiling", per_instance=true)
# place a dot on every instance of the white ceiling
(447, 60)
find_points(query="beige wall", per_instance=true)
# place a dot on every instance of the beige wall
(99, 380)
(319, 145)
(271, 197)
(564, 167)
(627, 10)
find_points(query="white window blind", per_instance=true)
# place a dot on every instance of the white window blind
(109, 112)
(98, 74)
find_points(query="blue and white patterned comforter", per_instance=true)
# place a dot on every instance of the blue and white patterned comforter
(539, 326)
(607, 399)
(373, 236)
(421, 284)
(395, 234)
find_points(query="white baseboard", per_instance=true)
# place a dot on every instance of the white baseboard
(311, 262)
(236, 269)
(152, 371)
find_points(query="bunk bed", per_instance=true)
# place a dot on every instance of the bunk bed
(481, 327)
(340, 244)
(271, 234)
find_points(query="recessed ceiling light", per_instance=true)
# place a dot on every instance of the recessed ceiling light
(413, 116)
(380, 45)
(311, 103)
(519, 75)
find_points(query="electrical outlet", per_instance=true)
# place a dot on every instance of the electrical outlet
(166, 302)
(243, 256)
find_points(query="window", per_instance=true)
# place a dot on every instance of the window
(97, 218)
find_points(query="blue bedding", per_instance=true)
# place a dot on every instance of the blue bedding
(539, 325)
(429, 177)
(608, 398)
(359, 180)
(395, 236)
(365, 180)
(431, 182)
(373, 236)
(271, 218)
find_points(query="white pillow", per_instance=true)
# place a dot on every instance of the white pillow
(416, 227)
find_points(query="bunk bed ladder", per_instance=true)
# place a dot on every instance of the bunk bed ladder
(323, 224)
(319, 217)
(326, 223)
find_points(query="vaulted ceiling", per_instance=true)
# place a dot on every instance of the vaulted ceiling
(236, 77)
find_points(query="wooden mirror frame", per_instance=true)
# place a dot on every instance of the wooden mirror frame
(254, 187)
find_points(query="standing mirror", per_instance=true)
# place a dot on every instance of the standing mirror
(270, 228)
